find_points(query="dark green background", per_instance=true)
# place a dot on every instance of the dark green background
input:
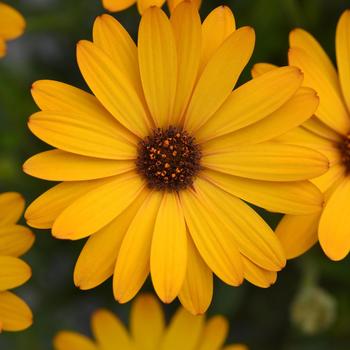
(259, 318)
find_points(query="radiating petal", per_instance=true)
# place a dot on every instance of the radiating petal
(11, 207)
(317, 127)
(253, 101)
(132, 267)
(117, 5)
(143, 5)
(158, 64)
(57, 165)
(298, 233)
(291, 114)
(13, 272)
(239, 222)
(262, 68)
(97, 208)
(269, 161)
(172, 4)
(284, 197)
(97, 260)
(216, 28)
(186, 24)
(147, 322)
(15, 240)
(81, 135)
(330, 178)
(331, 109)
(183, 332)
(112, 86)
(219, 77)
(46, 208)
(15, 315)
(12, 22)
(214, 333)
(258, 276)
(333, 231)
(215, 243)
(169, 248)
(197, 290)
(66, 340)
(109, 331)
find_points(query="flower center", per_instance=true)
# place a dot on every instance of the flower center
(344, 147)
(169, 159)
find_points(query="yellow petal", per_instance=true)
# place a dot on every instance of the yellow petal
(13, 272)
(143, 5)
(327, 180)
(3, 48)
(66, 340)
(256, 275)
(97, 208)
(109, 331)
(45, 209)
(334, 223)
(251, 234)
(235, 347)
(112, 86)
(59, 165)
(214, 333)
(343, 54)
(215, 243)
(117, 5)
(262, 68)
(252, 102)
(186, 24)
(216, 28)
(146, 322)
(197, 290)
(219, 77)
(169, 248)
(269, 161)
(12, 23)
(298, 233)
(11, 207)
(183, 332)
(172, 4)
(15, 240)
(284, 197)
(132, 267)
(317, 127)
(305, 41)
(97, 260)
(82, 135)
(331, 109)
(158, 64)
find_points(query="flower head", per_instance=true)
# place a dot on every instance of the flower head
(328, 132)
(154, 165)
(12, 25)
(148, 331)
(15, 240)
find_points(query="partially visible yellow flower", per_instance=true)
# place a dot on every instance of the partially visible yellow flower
(157, 164)
(12, 25)
(148, 331)
(142, 5)
(15, 240)
(328, 132)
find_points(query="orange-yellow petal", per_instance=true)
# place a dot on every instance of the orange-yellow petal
(11, 207)
(258, 276)
(12, 23)
(262, 68)
(13, 272)
(15, 240)
(117, 5)
(66, 340)
(143, 5)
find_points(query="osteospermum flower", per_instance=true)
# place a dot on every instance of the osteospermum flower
(328, 132)
(154, 165)
(12, 25)
(15, 240)
(148, 331)
(142, 5)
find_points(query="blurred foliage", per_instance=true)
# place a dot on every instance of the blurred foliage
(259, 318)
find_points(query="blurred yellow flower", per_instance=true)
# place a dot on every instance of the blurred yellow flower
(142, 5)
(328, 132)
(15, 240)
(148, 331)
(12, 25)
(154, 165)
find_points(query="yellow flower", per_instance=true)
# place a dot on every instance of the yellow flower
(142, 5)
(12, 25)
(328, 131)
(148, 331)
(154, 165)
(15, 240)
